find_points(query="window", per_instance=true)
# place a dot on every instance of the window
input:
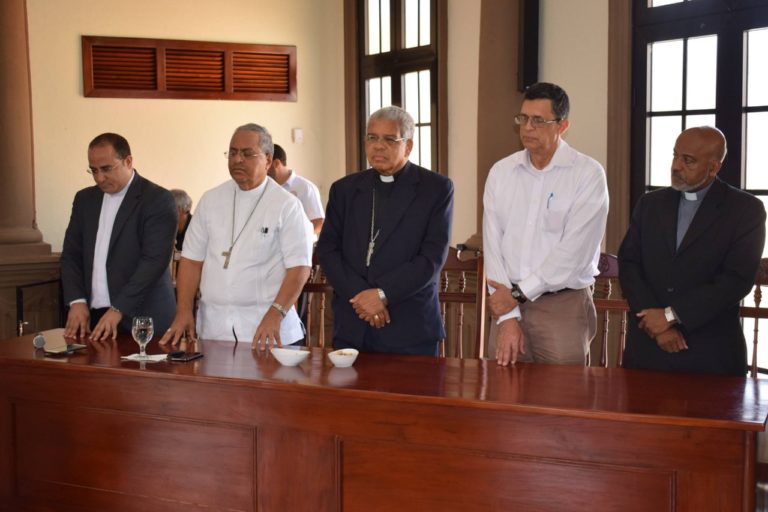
(399, 66)
(699, 62)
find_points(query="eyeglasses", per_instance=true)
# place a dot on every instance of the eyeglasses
(104, 169)
(536, 121)
(246, 153)
(389, 140)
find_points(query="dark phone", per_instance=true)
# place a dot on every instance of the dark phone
(183, 357)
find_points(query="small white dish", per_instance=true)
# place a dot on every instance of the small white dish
(289, 356)
(343, 358)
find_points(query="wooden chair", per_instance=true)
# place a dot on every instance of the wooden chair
(456, 291)
(455, 278)
(756, 312)
(42, 307)
(317, 291)
(606, 304)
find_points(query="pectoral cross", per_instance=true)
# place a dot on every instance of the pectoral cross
(371, 245)
(226, 255)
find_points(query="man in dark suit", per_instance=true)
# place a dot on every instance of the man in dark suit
(383, 243)
(117, 247)
(689, 257)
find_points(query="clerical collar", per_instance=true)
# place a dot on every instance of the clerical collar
(698, 195)
(392, 177)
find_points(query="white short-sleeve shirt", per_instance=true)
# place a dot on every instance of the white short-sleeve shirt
(277, 236)
(308, 194)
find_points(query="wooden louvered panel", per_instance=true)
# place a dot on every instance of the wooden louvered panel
(124, 68)
(253, 72)
(158, 68)
(194, 70)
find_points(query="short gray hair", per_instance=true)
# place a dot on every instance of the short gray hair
(265, 138)
(392, 113)
(182, 199)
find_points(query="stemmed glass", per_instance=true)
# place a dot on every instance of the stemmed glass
(143, 329)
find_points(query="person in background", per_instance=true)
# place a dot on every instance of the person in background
(690, 255)
(114, 262)
(545, 210)
(301, 187)
(184, 209)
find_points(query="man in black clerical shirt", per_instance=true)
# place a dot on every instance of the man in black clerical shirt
(383, 243)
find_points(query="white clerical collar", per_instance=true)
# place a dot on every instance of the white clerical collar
(691, 196)
(120, 194)
(386, 179)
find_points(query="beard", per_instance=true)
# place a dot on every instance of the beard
(688, 187)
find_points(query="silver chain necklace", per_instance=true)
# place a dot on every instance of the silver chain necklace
(233, 239)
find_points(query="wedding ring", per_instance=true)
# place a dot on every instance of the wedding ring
(376, 317)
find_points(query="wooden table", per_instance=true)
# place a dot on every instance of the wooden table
(237, 431)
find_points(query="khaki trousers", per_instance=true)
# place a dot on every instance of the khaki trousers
(557, 328)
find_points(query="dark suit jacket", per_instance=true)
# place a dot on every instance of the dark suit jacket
(704, 280)
(139, 253)
(410, 251)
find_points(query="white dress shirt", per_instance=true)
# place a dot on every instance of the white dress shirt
(308, 194)
(110, 204)
(542, 228)
(277, 237)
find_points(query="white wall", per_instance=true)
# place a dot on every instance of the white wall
(463, 71)
(573, 53)
(178, 143)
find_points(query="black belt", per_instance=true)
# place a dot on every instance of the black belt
(559, 291)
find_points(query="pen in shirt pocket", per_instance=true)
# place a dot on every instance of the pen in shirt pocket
(264, 231)
(550, 198)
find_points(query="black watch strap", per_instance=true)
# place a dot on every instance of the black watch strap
(518, 294)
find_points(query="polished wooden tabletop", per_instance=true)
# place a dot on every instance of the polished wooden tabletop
(610, 393)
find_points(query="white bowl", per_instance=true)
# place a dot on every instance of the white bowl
(343, 358)
(289, 356)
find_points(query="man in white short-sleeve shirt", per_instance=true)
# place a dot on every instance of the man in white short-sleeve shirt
(249, 249)
(301, 187)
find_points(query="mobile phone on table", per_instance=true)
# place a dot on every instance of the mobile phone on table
(183, 357)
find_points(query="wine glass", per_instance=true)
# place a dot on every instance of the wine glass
(142, 332)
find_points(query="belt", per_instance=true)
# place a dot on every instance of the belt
(558, 291)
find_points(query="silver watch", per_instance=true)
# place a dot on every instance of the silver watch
(670, 315)
(382, 296)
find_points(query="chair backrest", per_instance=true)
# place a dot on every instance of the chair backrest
(462, 282)
(757, 312)
(314, 305)
(39, 306)
(607, 305)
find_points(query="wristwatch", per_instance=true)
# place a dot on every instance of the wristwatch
(518, 294)
(382, 296)
(670, 315)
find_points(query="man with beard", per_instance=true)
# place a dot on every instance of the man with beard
(689, 257)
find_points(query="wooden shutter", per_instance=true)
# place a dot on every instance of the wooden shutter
(117, 67)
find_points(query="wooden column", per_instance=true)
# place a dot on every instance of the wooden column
(24, 257)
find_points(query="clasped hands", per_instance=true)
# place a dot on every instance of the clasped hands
(370, 308)
(655, 324)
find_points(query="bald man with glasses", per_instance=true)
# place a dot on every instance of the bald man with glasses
(114, 262)
(545, 210)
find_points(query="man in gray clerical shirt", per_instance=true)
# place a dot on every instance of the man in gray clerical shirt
(689, 257)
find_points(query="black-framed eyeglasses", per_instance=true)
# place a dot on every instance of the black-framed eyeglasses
(104, 169)
(389, 140)
(246, 153)
(536, 121)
